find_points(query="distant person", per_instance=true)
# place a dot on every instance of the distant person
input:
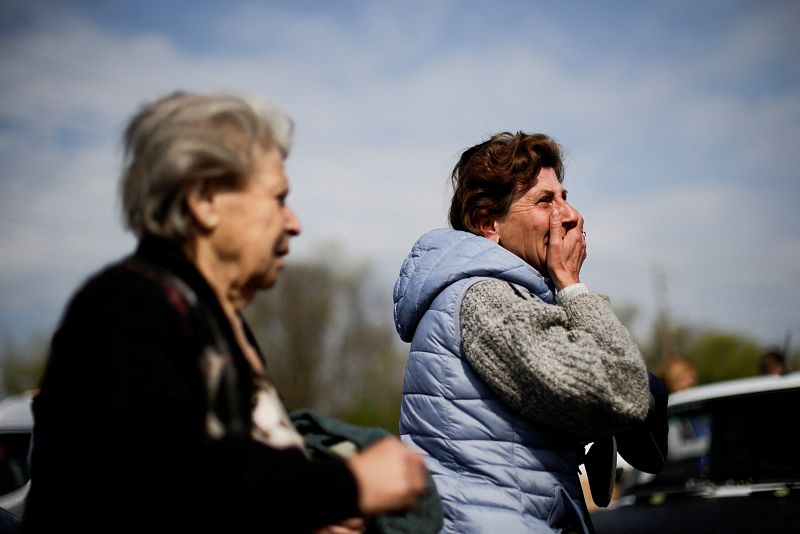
(678, 372)
(514, 364)
(155, 411)
(773, 362)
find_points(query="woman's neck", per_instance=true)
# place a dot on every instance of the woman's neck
(223, 279)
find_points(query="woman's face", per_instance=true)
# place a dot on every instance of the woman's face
(525, 229)
(255, 224)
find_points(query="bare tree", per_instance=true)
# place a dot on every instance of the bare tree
(22, 364)
(327, 347)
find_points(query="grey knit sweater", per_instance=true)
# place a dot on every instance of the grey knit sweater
(573, 366)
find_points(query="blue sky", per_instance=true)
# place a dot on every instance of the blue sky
(681, 121)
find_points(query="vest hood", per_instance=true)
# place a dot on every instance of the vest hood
(444, 256)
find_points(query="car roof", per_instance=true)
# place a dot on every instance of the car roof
(740, 386)
(15, 413)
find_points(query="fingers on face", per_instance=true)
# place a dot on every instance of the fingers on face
(555, 219)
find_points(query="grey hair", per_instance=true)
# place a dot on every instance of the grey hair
(183, 141)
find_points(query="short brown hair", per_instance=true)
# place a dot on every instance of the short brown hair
(490, 175)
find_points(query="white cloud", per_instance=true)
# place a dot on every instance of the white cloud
(724, 252)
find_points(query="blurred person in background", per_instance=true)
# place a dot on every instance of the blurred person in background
(155, 410)
(514, 363)
(773, 362)
(678, 372)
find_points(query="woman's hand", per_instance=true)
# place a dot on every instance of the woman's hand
(390, 476)
(566, 250)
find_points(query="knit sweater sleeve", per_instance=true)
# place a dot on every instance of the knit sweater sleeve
(573, 366)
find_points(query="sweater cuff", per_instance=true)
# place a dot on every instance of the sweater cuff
(566, 293)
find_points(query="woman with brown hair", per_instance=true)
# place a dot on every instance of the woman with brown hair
(514, 365)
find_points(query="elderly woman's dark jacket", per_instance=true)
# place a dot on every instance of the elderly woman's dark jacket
(143, 419)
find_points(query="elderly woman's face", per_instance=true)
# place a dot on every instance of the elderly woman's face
(525, 229)
(255, 224)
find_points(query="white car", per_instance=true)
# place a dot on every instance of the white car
(16, 425)
(733, 464)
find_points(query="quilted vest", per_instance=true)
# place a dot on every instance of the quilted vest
(495, 470)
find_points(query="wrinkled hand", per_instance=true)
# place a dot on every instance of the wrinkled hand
(354, 525)
(566, 251)
(390, 476)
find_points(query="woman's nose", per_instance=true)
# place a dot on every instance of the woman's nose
(292, 223)
(569, 215)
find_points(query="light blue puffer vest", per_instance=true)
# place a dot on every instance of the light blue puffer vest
(495, 470)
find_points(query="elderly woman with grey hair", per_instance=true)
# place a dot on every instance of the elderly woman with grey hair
(514, 364)
(155, 410)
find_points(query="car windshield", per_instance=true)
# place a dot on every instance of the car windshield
(746, 439)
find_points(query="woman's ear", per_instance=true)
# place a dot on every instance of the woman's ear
(488, 229)
(200, 202)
